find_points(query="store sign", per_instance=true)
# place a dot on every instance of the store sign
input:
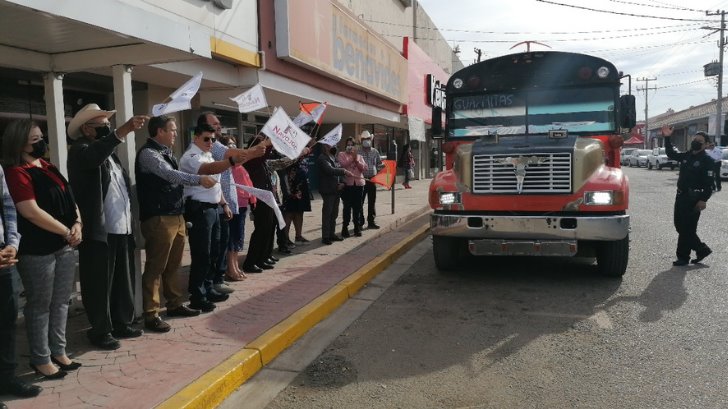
(435, 92)
(323, 36)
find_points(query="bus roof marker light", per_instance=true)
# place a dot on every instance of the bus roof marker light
(602, 72)
(457, 83)
(473, 81)
(585, 73)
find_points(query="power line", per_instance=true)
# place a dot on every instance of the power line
(619, 13)
(659, 7)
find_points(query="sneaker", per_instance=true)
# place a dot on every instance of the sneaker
(156, 325)
(204, 306)
(701, 255)
(182, 311)
(223, 288)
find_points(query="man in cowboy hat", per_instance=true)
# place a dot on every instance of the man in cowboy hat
(102, 193)
(374, 165)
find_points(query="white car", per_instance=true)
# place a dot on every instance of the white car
(638, 158)
(658, 159)
(724, 165)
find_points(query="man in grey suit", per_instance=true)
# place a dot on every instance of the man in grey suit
(330, 187)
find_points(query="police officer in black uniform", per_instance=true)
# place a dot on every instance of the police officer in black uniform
(694, 187)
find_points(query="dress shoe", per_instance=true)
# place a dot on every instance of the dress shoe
(182, 311)
(284, 250)
(275, 259)
(60, 374)
(157, 325)
(336, 238)
(701, 255)
(301, 239)
(326, 241)
(373, 226)
(204, 306)
(3, 405)
(105, 341)
(252, 269)
(345, 233)
(223, 288)
(20, 388)
(126, 332)
(214, 296)
(265, 266)
(357, 233)
(270, 261)
(680, 262)
(66, 367)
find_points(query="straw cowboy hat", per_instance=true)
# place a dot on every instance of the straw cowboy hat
(86, 114)
(365, 135)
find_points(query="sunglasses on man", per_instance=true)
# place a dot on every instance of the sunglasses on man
(209, 138)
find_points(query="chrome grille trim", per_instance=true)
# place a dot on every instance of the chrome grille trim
(551, 176)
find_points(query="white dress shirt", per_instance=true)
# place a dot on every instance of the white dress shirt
(117, 207)
(190, 162)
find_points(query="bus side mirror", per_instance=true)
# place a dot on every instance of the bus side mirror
(627, 112)
(437, 123)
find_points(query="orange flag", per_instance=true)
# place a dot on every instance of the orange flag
(386, 176)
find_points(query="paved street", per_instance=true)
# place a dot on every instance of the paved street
(538, 333)
(149, 370)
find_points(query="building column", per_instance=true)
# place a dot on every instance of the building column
(53, 83)
(127, 154)
(124, 111)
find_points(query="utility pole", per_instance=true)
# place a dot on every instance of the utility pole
(719, 104)
(646, 89)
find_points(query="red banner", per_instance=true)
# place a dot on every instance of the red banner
(386, 176)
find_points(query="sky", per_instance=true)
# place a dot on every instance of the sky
(669, 50)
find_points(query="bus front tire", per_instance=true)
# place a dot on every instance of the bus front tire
(612, 257)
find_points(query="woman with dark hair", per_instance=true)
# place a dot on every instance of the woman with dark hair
(407, 163)
(50, 225)
(353, 188)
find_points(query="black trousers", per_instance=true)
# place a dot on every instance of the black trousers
(261, 241)
(716, 173)
(686, 223)
(8, 318)
(370, 195)
(106, 273)
(204, 237)
(224, 244)
(329, 211)
(352, 198)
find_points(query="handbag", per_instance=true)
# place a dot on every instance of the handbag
(411, 173)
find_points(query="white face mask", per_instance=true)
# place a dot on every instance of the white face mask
(367, 143)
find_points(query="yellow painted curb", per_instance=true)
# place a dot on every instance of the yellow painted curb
(213, 387)
(216, 385)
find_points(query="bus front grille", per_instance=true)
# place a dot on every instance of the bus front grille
(540, 173)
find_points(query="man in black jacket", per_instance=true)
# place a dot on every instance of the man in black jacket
(330, 186)
(694, 188)
(102, 193)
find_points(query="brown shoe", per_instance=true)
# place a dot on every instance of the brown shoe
(157, 325)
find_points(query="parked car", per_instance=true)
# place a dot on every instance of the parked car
(624, 155)
(724, 165)
(639, 158)
(658, 159)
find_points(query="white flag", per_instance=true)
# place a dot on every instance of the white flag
(333, 137)
(287, 138)
(317, 112)
(251, 100)
(302, 118)
(267, 197)
(180, 99)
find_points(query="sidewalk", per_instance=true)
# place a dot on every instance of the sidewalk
(204, 358)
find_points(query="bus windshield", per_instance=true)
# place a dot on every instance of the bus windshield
(583, 109)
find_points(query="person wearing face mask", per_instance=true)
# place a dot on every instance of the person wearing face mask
(50, 225)
(374, 165)
(106, 254)
(694, 188)
(353, 188)
(330, 186)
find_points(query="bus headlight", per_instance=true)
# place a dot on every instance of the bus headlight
(599, 198)
(449, 198)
